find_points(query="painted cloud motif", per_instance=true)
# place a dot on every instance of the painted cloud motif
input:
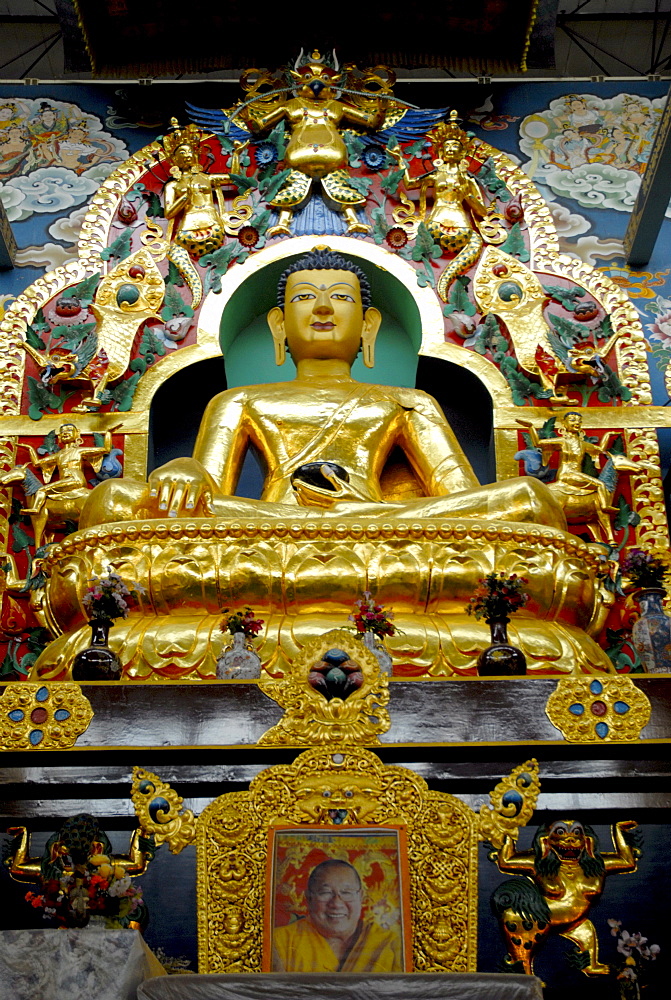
(53, 155)
(592, 149)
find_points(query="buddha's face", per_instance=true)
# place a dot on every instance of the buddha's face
(335, 902)
(323, 316)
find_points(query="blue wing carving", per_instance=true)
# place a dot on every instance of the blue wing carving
(414, 124)
(216, 120)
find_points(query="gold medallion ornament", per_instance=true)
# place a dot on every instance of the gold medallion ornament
(608, 710)
(314, 711)
(337, 789)
(41, 717)
(159, 810)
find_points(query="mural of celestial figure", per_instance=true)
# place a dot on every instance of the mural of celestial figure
(78, 151)
(564, 874)
(586, 499)
(15, 150)
(46, 127)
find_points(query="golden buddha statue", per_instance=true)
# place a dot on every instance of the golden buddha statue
(322, 438)
(324, 530)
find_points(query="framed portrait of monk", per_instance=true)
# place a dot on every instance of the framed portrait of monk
(337, 900)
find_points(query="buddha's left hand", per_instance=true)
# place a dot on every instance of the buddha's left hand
(315, 496)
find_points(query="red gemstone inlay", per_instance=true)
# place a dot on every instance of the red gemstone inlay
(39, 715)
(136, 271)
(598, 708)
(500, 270)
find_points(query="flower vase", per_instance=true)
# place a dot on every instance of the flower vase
(501, 659)
(377, 648)
(239, 661)
(97, 662)
(651, 633)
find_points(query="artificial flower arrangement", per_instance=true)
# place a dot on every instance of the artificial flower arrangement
(645, 569)
(498, 596)
(102, 889)
(371, 617)
(108, 597)
(632, 969)
(241, 621)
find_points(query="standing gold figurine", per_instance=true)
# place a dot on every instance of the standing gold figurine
(199, 224)
(316, 151)
(458, 212)
(52, 503)
(565, 873)
(586, 499)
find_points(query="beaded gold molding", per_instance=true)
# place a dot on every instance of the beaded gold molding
(607, 710)
(148, 531)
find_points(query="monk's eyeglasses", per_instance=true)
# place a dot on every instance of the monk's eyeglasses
(326, 894)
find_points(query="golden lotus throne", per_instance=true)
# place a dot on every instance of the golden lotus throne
(302, 567)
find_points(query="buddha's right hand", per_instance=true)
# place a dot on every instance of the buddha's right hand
(180, 487)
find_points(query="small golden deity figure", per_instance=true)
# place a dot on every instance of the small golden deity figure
(564, 875)
(586, 499)
(316, 151)
(52, 503)
(189, 196)
(459, 218)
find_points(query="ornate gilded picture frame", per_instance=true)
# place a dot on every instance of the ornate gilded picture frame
(337, 900)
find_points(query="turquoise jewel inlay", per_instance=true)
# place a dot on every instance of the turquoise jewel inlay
(42, 694)
(576, 709)
(36, 736)
(61, 714)
(601, 729)
(621, 707)
(596, 687)
(16, 714)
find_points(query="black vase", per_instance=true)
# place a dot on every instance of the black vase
(97, 662)
(500, 659)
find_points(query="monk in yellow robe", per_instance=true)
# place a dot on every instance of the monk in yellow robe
(334, 937)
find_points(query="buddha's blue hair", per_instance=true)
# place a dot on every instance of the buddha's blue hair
(324, 260)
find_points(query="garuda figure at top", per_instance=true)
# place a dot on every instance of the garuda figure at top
(323, 99)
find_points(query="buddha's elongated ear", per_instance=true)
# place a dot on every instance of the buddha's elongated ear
(371, 324)
(276, 323)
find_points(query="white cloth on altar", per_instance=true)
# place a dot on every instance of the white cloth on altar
(87, 964)
(343, 986)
